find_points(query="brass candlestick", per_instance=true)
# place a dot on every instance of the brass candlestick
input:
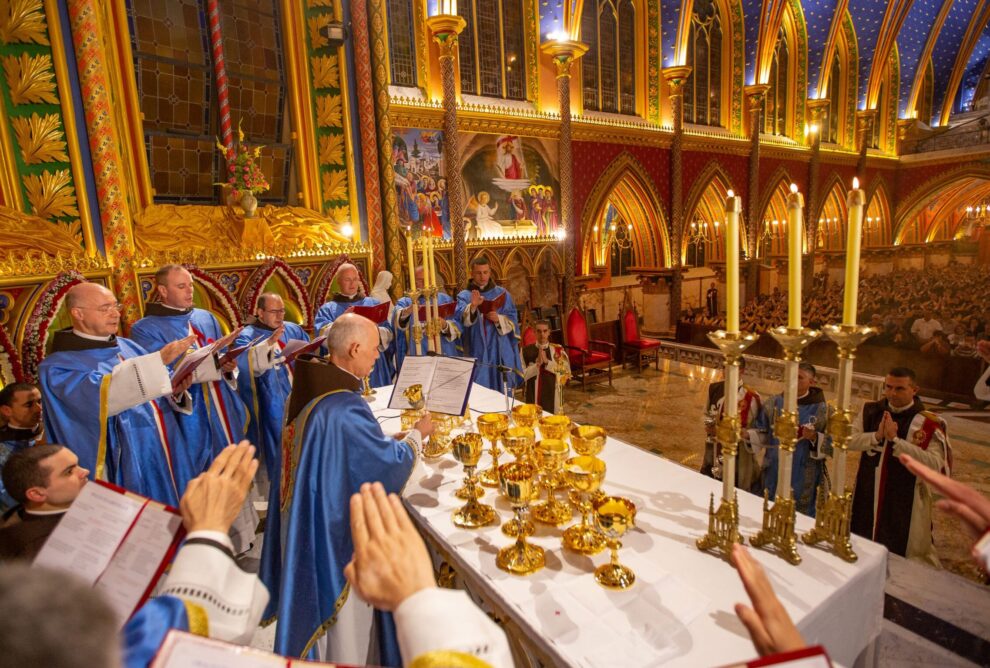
(519, 442)
(417, 327)
(552, 453)
(467, 450)
(778, 521)
(491, 426)
(520, 558)
(585, 475)
(368, 393)
(614, 515)
(723, 524)
(833, 512)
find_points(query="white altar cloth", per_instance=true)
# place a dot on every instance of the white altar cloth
(680, 610)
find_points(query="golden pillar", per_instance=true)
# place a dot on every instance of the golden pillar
(816, 109)
(864, 136)
(755, 94)
(445, 29)
(676, 77)
(564, 53)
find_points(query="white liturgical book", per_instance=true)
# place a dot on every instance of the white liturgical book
(446, 382)
(186, 650)
(117, 541)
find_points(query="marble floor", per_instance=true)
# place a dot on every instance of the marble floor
(661, 411)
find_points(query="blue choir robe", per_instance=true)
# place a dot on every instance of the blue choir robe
(403, 332)
(218, 416)
(808, 462)
(129, 435)
(383, 372)
(334, 445)
(13, 439)
(490, 344)
(146, 629)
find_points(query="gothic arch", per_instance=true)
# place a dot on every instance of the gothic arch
(833, 215)
(878, 207)
(912, 205)
(297, 296)
(705, 204)
(773, 209)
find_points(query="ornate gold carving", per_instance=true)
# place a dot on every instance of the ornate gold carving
(340, 214)
(23, 21)
(316, 24)
(328, 111)
(51, 194)
(334, 186)
(40, 138)
(37, 263)
(332, 149)
(22, 231)
(321, 3)
(30, 79)
(325, 72)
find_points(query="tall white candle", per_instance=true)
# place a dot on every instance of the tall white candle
(733, 207)
(855, 203)
(795, 228)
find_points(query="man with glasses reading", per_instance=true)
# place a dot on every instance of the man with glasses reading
(108, 398)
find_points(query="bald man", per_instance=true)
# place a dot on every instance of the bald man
(335, 444)
(106, 397)
(350, 293)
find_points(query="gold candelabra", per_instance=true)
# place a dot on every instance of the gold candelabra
(833, 511)
(778, 521)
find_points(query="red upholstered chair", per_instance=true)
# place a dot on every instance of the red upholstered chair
(528, 337)
(635, 347)
(590, 359)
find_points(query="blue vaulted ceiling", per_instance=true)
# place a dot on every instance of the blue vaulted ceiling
(911, 42)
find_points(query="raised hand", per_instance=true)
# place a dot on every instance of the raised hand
(770, 627)
(172, 351)
(492, 317)
(276, 335)
(961, 500)
(476, 299)
(225, 341)
(212, 500)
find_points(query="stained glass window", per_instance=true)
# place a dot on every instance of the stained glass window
(775, 110)
(492, 52)
(833, 133)
(703, 93)
(402, 42)
(466, 49)
(608, 70)
(924, 104)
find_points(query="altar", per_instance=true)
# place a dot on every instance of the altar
(680, 610)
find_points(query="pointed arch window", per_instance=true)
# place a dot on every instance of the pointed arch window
(833, 133)
(608, 70)
(878, 120)
(492, 51)
(923, 108)
(775, 114)
(702, 98)
(401, 42)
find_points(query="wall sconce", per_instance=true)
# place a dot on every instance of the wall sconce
(335, 33)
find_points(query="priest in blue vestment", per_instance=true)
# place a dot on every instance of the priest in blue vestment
(403, 324)
(351, 293)
(491, 338)
(218, 415)
(334, 444)
(105, 398)
(20, 410)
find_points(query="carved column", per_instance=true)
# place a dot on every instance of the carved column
(104, 140)
(676, 77)
(815, 108)
(390, 211)
(564, 53)
(755, 94)
(864, 134)
(445, 29)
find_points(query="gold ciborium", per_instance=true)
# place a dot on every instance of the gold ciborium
(585, 475)
(614, 515)
(439, 442)
(521, 558)
(554, 427)
(414, 395)
(467, 450)
(551, 453)
(491, 426)
(526, 415)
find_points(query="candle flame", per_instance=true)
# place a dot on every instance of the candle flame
(855, 183)
(794, 188)
(731, 193)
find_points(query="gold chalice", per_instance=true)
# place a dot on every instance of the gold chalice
(414, 395)
(587, 440)
(491, 426)
(614, 515)
(526, 415)
(467, 450)
(521, 558)
(585, 475)
(519, 441)
(554, 426)
(439, 442)
(551, 453)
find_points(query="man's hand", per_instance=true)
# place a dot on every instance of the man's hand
(228, 366)
(424, 425)
(770, 628)
(541, 357)
(276, 335)
(390, 561)
(492, 317)
(406, 313)
(476, 299)
(225, 341)
(961, 500)
(889, 427)
(172, 351)
(213, 499)
(350, 309)
(181, 388)
(809, 433)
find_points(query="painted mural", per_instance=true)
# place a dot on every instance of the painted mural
(420, 188)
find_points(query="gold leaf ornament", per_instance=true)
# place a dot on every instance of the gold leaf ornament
(320, 3)
(23, 21)
(30, 79)
(328, 111)
(340, 214)
(40, 138)
(325, 72)
(51, 194)
(317, 38)
(332, 149)
(334, 186)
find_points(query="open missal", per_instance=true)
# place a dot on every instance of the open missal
(117, 541)
(446, 382)
(296, 347)
(444, 311)
(490, 305)
(376, 314)
(186, 650)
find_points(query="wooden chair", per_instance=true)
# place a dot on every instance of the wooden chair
(637, 348)
(528, 337)
(591, 359)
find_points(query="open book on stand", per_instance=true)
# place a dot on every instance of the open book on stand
(445, 381)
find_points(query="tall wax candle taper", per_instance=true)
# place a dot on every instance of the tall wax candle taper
(855, 203)
(733, 207)
(795, 229)
(409, 258)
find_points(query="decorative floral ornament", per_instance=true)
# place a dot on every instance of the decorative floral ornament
(42, 315)
(244, 173)
(260, 278)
